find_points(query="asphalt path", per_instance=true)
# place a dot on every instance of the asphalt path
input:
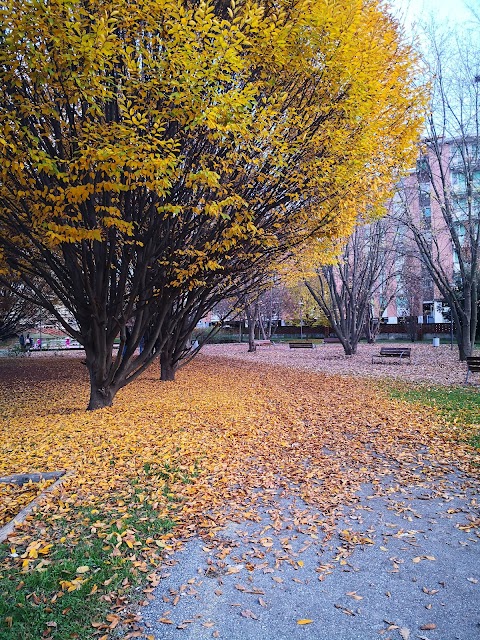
(399, 564)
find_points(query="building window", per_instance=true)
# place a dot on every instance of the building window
(427, 217)
(460, 208)
(423, 169)
(456, 157)
(459, 183)
(424, 194)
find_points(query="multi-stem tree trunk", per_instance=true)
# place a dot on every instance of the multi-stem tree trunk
(344, 291)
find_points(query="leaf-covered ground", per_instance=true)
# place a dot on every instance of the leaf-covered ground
(429, 365)
(195, 453)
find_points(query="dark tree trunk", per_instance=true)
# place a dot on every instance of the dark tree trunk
(412, 328)
(100, 397)
(350, 349)
(102, 391)
(167, 368)
(465, 345)
(252, 315)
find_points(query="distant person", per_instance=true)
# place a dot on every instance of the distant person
(28, 342)
(21, 339)
(67, 343)
(38, 344)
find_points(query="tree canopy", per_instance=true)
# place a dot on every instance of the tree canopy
(153, 152)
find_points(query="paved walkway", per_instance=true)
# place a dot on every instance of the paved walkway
(403, 562)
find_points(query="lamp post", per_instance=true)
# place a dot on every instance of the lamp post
(300, 304)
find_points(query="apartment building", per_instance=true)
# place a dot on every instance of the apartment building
(435, 214)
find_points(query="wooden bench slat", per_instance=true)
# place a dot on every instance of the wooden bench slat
(402, 353)
(301, 345)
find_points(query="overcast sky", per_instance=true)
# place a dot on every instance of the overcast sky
(449, 11)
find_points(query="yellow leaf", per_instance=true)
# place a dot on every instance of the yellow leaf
(83, 569)
(44, 550)
(304, 621)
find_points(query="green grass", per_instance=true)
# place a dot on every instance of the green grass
(459, 406)
(34, 605)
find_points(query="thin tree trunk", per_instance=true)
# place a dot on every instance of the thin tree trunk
(251, 338)
(251, 319)
(262, 328)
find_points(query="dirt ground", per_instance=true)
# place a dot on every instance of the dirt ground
(429, 365)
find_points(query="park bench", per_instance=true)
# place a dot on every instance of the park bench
(332, 340)
(301, 345)
(473, 366)
(402, 353)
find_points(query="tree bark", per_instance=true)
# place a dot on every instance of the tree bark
(167, 369)
(252, 321)
(465, 345)
(350, 349)
(100, 397)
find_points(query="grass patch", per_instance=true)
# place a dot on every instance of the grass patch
(52, 599)
(460, 407)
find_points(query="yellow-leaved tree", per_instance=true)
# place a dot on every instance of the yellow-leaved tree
(154, 152)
